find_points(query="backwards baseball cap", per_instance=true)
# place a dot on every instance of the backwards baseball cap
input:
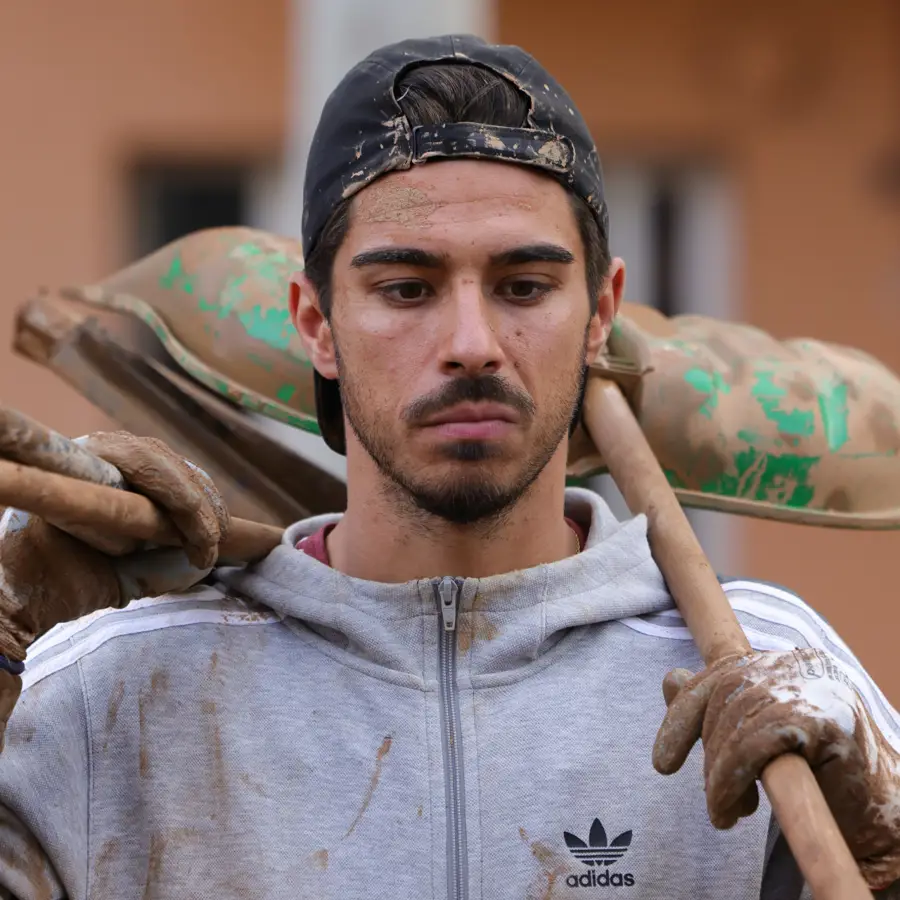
(363, 134)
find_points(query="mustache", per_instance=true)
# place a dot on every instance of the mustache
(485, 389)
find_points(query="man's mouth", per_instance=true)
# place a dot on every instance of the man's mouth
(473, 421)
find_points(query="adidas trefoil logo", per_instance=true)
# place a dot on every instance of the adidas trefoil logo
(599, 852)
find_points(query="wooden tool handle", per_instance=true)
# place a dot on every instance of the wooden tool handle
(26, 441)
(801, 810)
(68, 501)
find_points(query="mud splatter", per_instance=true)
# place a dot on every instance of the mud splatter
(405, 206)
(480, 628)
(219, 784)
(256, 786)
(23, 735)
(36, 872)
(243, 617)
(219, 779)
(101, 874)
(380, 757)
(732, 357)
(147, 698)
(161, 843)
(112, 712)
(19, 851)
(801, 388)
(698, 465)
(553, 152)
(838, 501)
(552, 864)
(884, 428)
(143, 753)
(154, 865)
(320, 859)
(475, 626)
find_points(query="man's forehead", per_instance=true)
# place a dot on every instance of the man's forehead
(441, 183)
(462, 192)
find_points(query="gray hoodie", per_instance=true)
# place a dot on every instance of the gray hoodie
(291, 732)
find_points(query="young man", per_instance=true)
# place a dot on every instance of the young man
(453, 689)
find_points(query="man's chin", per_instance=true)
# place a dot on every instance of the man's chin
(464, 503)
(462, 481)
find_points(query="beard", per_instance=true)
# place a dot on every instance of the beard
(475, 487)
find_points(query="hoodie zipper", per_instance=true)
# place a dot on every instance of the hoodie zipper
(447, 592)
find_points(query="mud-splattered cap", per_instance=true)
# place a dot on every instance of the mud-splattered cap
(363, 134)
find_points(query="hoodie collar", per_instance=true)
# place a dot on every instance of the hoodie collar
(503, 621)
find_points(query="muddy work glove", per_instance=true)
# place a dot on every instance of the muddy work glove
(48, 575)
(749, 710)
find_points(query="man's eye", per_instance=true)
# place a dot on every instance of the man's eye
(523, 289)
(405, 291)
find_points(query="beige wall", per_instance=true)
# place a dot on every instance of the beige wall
(87, 86)
(797, 101)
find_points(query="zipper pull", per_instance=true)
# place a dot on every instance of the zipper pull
(449, 594)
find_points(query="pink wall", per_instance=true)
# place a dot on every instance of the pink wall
(84, 87)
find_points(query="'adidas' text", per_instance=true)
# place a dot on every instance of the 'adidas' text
(601, 879)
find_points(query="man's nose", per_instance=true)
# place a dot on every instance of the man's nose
(470, 344)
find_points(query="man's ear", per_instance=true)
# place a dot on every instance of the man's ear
(312, 326)
(608, 303)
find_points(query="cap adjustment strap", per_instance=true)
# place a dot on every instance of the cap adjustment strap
(544, 149)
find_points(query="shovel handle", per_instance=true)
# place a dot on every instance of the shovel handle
(26, 441)
(69, 501)
(805, 819)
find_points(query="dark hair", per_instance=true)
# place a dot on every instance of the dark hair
(458, 92)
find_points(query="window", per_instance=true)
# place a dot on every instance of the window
(172, 200)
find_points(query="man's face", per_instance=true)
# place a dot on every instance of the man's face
(461, 326)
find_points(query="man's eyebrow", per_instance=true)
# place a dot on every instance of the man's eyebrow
(404, 256)
(530, 253)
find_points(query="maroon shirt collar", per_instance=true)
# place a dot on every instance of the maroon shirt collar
(315, 544)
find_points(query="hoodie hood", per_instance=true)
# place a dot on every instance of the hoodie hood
(504, 622)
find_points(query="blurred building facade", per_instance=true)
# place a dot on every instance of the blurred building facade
(750, 150)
